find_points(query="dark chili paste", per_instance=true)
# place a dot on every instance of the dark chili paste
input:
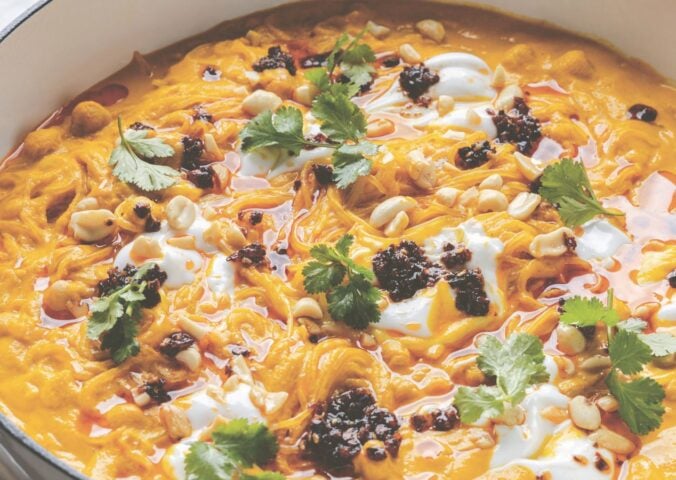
(156, 391)
(518, 127)
(642, 112)
(404, 269)
(193, 148)
(276, 58)
(175, 343)
(251, 255)
(202, 176)
(339, 429)
(416, 80)
(474, 156)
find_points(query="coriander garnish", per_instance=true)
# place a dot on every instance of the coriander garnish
(130, 166)
(115, 315)
(237, 447)
(565, 184)
(640, 398)
(515, 364)
(355, 302)
(354, 62)
(343, 122)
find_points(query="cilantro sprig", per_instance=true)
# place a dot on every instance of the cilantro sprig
(587, 312)
(341, 121)
(565, 184)
(355, 302)
(354, 61)
(129, 160)
(515, 365)
(640, 398)
(114, 318)
(236, 447)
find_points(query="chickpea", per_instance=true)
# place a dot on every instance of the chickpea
(89, 117)
(41, 142)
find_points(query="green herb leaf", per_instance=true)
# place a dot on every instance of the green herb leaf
(515, 364)
(236, 446)
(341, 119)
(282, 129)
(587, 312)
(114, 318)
(349, 163)
(660, 344)
(355, 303)
(566, 185)
(262, 476)
(640, 402)
(319, 77)
(129, 164)
(473, 403)
(246, 443)
(628, 353)
(205, 461)
(635, 325)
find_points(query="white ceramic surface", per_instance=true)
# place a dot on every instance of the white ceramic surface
(68, 45)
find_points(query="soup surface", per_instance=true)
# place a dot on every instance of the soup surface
(401, 273)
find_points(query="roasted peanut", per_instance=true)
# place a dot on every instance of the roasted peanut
(93, 225)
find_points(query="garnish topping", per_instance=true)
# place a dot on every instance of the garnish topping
(587, 312)
(354, 302)
(565, 184)
(417, 80)
(515, 364)
(342, 122)
(237, 447)
(130, 166)
(354, 62)
(341, 427)
(276, 58)
(116, 314)
(640, 398)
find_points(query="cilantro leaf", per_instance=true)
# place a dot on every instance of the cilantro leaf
(114, 318)
(236, 446)
(341, 119)
(127, 159)
(281, 129)
(246, 443)
(635, 325)
(262, 476)
(205, 461)
(587, 312)
(640, 402)
(566, 185)
(358, 54)
(356, 302)
(320, 277)
(333, 59)
(343, 245)
(628, 353)
(515, 364)
(319, 77)
(660, 343)
(473, 403)
(349, 163)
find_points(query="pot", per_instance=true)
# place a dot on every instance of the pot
(56, 50)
